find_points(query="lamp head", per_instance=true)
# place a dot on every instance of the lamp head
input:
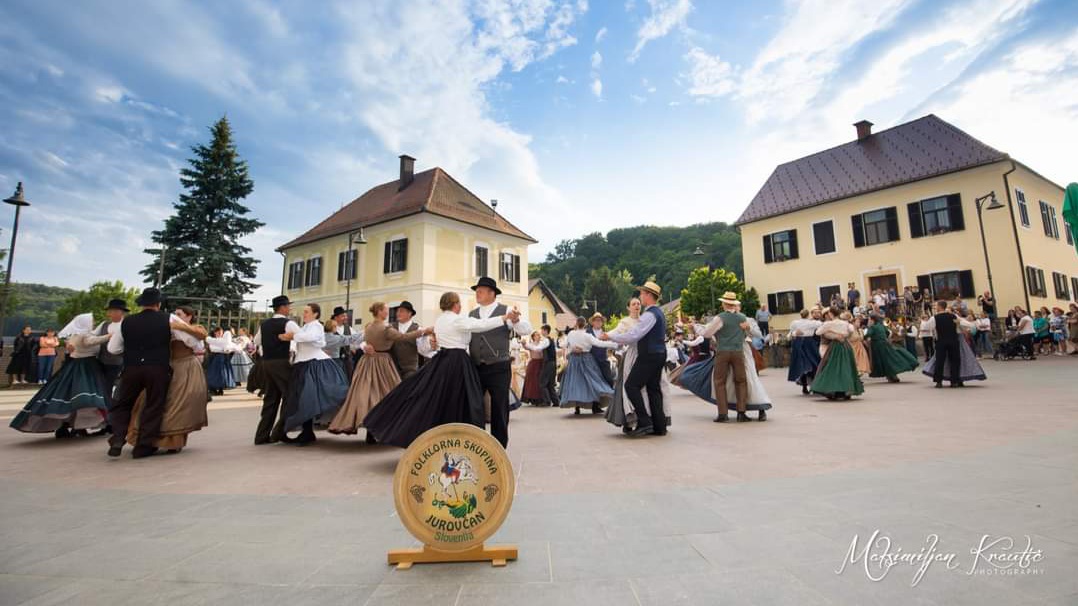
(17, 198)
(359, 237)
(699, 252)
(993, 202)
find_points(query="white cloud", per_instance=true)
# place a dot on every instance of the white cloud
(709, 76)
(790, 71)
(599, 35)
(596, 60)
(597, 87)
(665, 16)
(110, 93)
(562, 80)
(638, 99)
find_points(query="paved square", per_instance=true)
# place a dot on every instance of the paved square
(759, 513)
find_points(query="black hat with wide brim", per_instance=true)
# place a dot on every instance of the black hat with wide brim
(279, 301)
(407, 305)
(489, 283)
(119, 304)
(149, 297)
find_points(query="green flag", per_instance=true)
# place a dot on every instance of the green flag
(1070, 211)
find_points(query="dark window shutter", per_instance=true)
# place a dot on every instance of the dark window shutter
(404, 255)
(793, 243)
(824, 235)
(965, 284)
(516, 268)
(342, 260)
(892, 224)
(1045, 219)
(768, 258)
(954, 210)
(799, 301)
(917, 225)
(1044, 287)
(1031, 279)
(924, 283)
(858, 231)
(387, 257)
(772, 303)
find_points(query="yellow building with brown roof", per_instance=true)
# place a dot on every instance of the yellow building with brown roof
(412, 239)
(902, 207)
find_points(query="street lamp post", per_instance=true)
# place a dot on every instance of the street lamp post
(699, 252)
(593, 302)
(993, 204)
(18, 201)
(355, 237)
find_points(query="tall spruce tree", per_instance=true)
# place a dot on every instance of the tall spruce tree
(201, 240)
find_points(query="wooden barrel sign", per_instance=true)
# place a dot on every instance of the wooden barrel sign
(453, 487)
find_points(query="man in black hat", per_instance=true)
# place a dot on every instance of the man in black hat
(406, 353)
(112, 364)
(144, 340)
(276, 370)
(344, 328)
(490, 352)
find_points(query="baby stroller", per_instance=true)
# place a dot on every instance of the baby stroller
(1011, 348)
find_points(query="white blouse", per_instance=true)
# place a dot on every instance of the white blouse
(183, 337)
(454, 331)
(309, 341)
(580, 339)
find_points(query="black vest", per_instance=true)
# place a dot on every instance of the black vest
(492, 346)
(272, 347)
(146, 339)
(599, 353)
(946, 329)
(551, 352)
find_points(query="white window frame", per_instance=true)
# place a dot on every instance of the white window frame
(302, 263)
(320, 271)
(390, 240)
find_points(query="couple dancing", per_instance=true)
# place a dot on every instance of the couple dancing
(473, 357)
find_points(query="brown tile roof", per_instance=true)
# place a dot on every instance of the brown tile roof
(432, 191)
(560, 307)
(924, 148)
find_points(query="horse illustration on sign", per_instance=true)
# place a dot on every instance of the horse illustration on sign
(454, 471)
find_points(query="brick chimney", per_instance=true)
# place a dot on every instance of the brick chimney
(864, 129)
(407, 171)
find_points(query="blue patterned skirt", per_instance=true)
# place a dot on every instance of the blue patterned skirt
(318, 389)
(804, 359)
(219, 372)
(583, 383)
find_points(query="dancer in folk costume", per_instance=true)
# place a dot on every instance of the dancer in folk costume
(275, 371)
(241, 357)
(583, 382)
(76, 399)
(729, 328)
(318, 386)
(648, 335)
(698, 378)
(185, 404)
(219, 375)
(144, 340)
(447, 389)
(804, 351)
(602, 359)
(860, 350)
(953, 359)
(620, 413)
(536, 345)
(837, 377)
(887, 359)
(376, 373)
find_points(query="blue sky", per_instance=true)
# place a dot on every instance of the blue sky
(577, 116)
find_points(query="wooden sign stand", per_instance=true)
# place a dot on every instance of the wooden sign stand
(497, 555)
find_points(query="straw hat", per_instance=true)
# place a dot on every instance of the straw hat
(652, 288)
(730, 298)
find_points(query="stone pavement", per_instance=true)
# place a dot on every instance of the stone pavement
(759, 513)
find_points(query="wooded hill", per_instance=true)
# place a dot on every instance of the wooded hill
(606, 268)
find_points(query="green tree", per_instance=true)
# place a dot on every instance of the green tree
(95, 300)
(609, 289)
(701, 295)
(203, 256)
